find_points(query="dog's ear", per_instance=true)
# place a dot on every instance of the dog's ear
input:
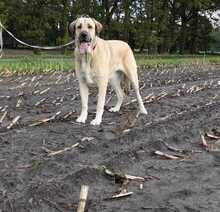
(72, 28)
(98, 26)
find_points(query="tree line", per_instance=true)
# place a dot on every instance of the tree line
(153, 26)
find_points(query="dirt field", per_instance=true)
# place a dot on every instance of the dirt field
(183, 103)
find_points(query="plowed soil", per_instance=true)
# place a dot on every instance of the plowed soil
(183, 103)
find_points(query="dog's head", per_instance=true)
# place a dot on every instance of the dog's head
(84, 30)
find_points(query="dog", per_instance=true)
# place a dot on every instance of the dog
(100, 62)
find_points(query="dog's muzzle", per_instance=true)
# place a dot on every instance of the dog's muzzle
(84, 40)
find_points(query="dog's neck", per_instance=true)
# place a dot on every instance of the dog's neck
(85, 58)
(85, 63)
(94, 43)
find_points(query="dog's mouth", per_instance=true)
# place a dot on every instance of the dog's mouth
(84, 44)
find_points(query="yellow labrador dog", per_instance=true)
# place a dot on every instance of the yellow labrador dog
(98, 62)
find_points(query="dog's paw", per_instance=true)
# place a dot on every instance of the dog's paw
(96, 121)
(143, 111)
(81, 119)
(114, 109)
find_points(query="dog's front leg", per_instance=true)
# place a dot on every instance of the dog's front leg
(84, 93)
(102, 88)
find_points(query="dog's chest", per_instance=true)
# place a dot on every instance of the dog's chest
(88, 74)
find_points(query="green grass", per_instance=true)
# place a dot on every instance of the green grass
(153, 60)
(35, 64)
(47, 63)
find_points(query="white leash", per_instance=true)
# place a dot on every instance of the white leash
(25, 44)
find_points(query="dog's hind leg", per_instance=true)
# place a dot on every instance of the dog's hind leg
(136, 88)
(116, 84)
(131, 72)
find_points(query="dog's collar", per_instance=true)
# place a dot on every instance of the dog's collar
(94, 47)
(95, 43)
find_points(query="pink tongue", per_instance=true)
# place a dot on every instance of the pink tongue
(84, 45)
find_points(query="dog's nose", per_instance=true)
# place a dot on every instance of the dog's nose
(83, 34)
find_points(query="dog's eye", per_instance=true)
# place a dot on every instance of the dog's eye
(79, 27)
(90, 26)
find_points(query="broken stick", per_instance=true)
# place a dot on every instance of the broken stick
(39, 102)
(212, 136)
(63, 150)
(3, 116)
(122, 194)
(19, 103)
(123, 176)
(14, 121)
(165, 155)
(82, 198)
(68, 114)
(45, 120)
(131, 177)
(208, 147)
(44, 91)
(204, 143)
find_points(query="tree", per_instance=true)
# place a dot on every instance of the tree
(3, 12)
(155, 26)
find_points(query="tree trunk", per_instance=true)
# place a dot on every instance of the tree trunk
(194, 32)
(183, 35)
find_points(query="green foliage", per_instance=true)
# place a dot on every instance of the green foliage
(153, 26)
(3, 12)
(215, 36)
